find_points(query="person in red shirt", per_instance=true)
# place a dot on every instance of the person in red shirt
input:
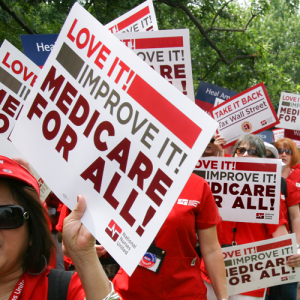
(26, 243)
(237, 233)
(179, 276)
(289, 154)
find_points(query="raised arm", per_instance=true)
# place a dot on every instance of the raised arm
(79, 244)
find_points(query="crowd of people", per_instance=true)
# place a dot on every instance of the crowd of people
(30, 248)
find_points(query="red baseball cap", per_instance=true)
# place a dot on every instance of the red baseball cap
(11, 169)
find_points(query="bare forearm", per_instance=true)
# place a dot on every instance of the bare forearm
(295, 223)
(92, 276)
(216, 271)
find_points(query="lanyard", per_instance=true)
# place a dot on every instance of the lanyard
(234, 230)
(17, 292)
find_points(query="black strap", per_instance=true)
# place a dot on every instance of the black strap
(58, 284)
(283, 187)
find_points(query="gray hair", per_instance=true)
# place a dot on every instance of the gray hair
(254, 141)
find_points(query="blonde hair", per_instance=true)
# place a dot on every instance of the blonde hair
(287, 143)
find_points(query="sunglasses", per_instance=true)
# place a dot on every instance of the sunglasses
(12, 216)
(242, 150)
(287, 151)
(212, 140)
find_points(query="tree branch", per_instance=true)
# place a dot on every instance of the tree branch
(211, 28)
(16, 18)
(206, 36)
(219, 11)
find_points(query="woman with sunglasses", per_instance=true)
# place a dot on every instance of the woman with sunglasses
(238, 233)
(214, 147)
(26, 244)
(289, 154)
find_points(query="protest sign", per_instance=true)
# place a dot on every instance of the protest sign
(289, 111)
(104, 124)
(37, 47)
(141, 18)
(248, 112)
(294, 135)
(207, 93)
(167, 52)
(261, 264)
(17, 77)
(245, 189)
(266, 136)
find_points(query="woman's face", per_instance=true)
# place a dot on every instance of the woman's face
(285, 157)
(245, 146)
(13, 242)
(210, 150)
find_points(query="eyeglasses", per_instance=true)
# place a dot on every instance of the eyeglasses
(287, 151)
(12, 216)
(212, 140)
(242, 150)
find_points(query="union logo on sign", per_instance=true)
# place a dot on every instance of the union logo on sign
(113, 230)
(260, 215)
(246, 126)
(284, 278)
(264, 122)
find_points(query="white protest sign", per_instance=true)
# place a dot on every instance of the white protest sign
(17, 77)
(245, 189)
(248, 112)
(140, 18)
(167, 52)
(104, 124)
(261, 264)
(289, 111)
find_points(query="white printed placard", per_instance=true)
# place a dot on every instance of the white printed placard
(167, 52)
(245, 189)
(248, 112)
(289, 111)
(104, 124)
(140, 18)
(259, 265)
(17, 77)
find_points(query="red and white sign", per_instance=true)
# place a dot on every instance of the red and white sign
(104, 124)
(289, 111)
(167, 52)
(248, 112)
(17, 77)
(245, 189)
(140, 18)
(287, 133)
(261, 264)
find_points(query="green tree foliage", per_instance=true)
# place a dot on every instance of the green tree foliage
(233, 45)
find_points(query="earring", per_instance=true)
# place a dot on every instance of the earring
(35, 274)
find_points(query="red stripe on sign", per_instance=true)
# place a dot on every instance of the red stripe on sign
(164, 111)
(245, 166)
(274, 245)
(165, 42)
(145, 11)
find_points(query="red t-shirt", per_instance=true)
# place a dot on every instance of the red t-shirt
(178, 277)
(64, 212)
(245, 233)
(295, 176)
(36, 287)
(293, 198)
